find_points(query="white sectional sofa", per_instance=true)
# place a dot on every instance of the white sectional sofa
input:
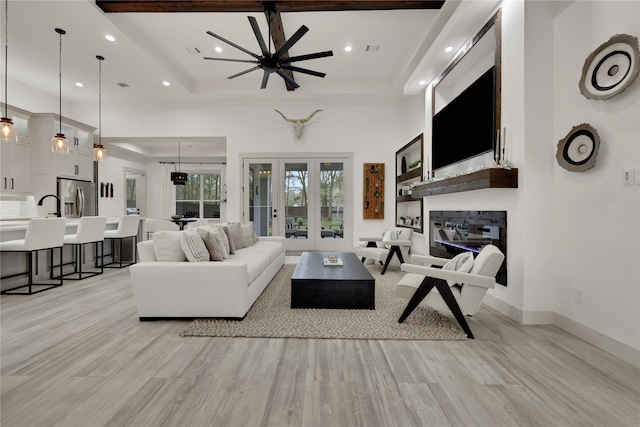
(225, 288)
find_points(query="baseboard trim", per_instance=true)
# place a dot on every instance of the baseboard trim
(610, 345)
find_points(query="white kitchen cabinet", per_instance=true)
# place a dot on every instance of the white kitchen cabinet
(15, 157)
(78, 163)
(15, 165)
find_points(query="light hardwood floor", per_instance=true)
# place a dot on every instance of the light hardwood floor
(78, 356)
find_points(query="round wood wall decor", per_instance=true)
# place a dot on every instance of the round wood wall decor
(611, 68)
(578, 150)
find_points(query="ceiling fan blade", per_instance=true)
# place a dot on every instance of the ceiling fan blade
(265, 79)
(305, 57)
(292, 40)
(243, 72)
(256, 31)
(230, 60)
(287, 78)
(232, 44)
(304, 70)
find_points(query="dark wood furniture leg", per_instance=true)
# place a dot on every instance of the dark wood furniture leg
(393, 250)
(443, 287)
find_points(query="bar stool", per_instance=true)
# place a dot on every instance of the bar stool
(42, 234)
(91, 229)
(127, 228)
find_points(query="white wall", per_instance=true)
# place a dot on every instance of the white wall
(112, 170)
(596, 223)
(371, 129)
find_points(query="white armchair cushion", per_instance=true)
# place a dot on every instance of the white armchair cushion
(462, 262)
(167, 246)
(390, 236)
(193, 246)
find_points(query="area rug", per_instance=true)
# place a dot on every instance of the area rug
(271, 316)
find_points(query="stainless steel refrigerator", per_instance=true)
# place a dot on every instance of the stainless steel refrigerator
(77, 198)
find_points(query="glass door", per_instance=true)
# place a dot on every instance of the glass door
(298, 192)
(260, 199)
(330, 204)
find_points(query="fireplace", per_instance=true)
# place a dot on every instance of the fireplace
(454, 232)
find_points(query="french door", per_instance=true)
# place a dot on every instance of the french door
(302, 199)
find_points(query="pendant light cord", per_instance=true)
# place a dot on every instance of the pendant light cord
(60, 78)
(100, 100)
(6, 53)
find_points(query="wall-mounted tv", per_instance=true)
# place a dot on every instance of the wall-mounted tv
(465, 127)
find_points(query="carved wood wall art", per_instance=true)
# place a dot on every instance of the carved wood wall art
(611, 68)
(578, 150)
(373, 194)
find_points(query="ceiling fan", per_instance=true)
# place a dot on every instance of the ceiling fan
(274, 62)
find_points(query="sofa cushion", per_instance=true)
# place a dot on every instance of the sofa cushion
(193, 246)
(167, 246)
(256, 262)
(210, 241)
(270, 249)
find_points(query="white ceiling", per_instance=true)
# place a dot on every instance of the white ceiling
(152, 47)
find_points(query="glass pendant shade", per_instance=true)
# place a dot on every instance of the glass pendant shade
(99, 153)
(7, 131)
(59, 144)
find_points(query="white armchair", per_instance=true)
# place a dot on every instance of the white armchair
(460, 292)
(396, 241)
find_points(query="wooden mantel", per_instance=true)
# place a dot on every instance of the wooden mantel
(486, 178)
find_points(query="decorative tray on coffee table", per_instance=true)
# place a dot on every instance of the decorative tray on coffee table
(332, 260)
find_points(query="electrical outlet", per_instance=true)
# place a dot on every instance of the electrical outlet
(629, 177)
(579, 296)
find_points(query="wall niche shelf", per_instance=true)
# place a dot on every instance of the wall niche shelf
(486, 178)
(408, 206)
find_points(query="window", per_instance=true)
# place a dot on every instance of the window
(200, 196)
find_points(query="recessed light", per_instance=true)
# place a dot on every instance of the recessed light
(422, 82)
(79, 84)
(166, 83)
(110, 38)
(448, 49)
(348, 48)
(218, 49)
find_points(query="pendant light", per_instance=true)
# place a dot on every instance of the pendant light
(7, 131)
(178, 178)
(59, 143)
(99, 152)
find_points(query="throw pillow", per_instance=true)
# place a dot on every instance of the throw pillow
(219, 235)
(462, 262)
(247, 232)
(235, 230)
(210, 241)
(225, 238)
(232, 247)
(167, 246)
(390, 235)
(193, 246)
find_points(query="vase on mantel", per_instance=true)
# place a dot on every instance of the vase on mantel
(403, 166)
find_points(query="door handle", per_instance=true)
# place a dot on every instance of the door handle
(12, 183)
(5, 182)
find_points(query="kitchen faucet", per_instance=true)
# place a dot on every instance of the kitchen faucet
(57, 213)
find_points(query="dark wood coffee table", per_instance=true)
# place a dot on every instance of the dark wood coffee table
(347, 286)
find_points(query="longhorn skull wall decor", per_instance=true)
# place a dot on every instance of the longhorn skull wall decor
(298, 124)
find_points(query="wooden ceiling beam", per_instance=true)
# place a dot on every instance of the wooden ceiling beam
(175, 6)
(277, 35)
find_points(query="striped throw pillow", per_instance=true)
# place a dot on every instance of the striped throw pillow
(193, 246)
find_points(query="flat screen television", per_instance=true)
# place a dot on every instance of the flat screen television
(465, 127)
